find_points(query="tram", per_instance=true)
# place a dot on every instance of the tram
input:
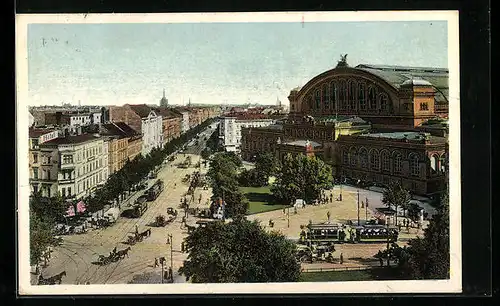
(321, 233)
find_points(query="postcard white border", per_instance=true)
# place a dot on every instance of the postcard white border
(453, 285)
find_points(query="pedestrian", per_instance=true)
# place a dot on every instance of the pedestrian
(328, 216)
(170, 274)
(341, 258)
(136, 229)
(156, 262)
(284, 211)
(114, 250)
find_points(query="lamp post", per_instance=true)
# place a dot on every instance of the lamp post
(288, 216)
(358, 208)
(366, 209)
(170, 240)
(162, 273)
(387, 228)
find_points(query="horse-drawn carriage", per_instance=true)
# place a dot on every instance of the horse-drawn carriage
(113, 256)
(53, 280)
(313, 253)
(138, 237)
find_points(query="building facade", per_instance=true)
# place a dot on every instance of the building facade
(69, 165)
(144, 120)
(416, 160)
(394, 96)
(230, 131)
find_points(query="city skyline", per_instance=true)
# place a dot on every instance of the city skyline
(212, 63)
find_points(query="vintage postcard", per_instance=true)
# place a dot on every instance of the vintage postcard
(290, 152)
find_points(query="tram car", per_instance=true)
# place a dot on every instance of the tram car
(140, 206)
(155, 190)
(321, 233)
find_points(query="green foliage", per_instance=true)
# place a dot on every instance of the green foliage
(301, 177)
(223, 176)
(395, 196)
(47, 209)
(249, 178)
(429, 257)
(239, 251)
(265, 167)
(44, 213)
(41, 236)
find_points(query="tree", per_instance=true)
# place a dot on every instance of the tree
(48, 209)
(396, 196)
(41, 236)
(265, 167)
(239, 251)
(224, 182)
(429, 257)
(302, 177)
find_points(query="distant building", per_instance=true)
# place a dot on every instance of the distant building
(185, 121)
(164, 100)
(230, 131)
(144, 120)
(119, 137)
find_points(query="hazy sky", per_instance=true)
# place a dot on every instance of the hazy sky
(103, 64)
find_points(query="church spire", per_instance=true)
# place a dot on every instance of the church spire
(164, 100)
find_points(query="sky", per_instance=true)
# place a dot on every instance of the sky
(212, 63)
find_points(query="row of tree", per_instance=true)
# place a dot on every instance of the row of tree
(426, 257)
(122, 182)
(212, 145)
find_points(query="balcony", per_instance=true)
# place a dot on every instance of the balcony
(43, 180)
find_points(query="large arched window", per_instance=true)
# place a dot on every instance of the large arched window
(374, 160)
(434, 163)
(383, 101)
(363, 158)
(333, 94)
(345, 157)
(361, 96)
(414, 164)
(372, 98)
(351, 94)
(343, 94)
(326, 97)
(353, 157)
(386, 160)
(317, 98)
(398, 161)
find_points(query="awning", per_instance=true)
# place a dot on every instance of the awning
(71, 211)
(80, 207)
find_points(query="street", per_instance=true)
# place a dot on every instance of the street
(78, 252)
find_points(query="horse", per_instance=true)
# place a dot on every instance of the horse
(146, 233)
(51, 280)
(122, 253)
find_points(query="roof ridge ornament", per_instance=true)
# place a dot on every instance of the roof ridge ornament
(343, 61)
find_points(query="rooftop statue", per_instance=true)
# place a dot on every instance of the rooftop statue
(343, 61)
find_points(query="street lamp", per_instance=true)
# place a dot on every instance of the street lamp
(170, 241)
(358, 208)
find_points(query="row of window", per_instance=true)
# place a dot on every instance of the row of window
(348, 95)
(375, 160)
(45, 159)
